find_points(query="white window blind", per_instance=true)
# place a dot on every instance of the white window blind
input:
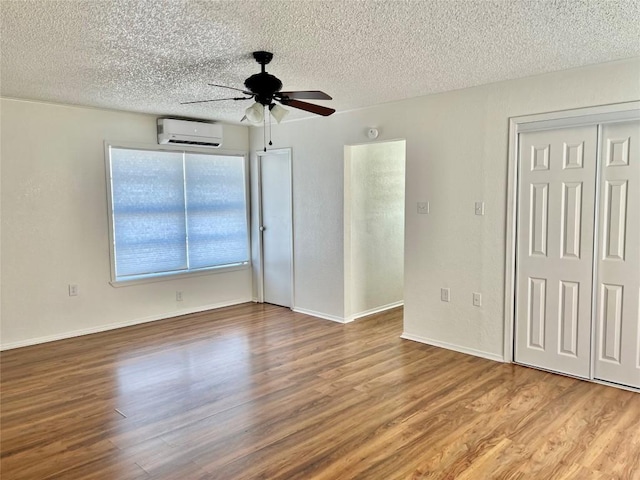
(176, 212)
(216, 210)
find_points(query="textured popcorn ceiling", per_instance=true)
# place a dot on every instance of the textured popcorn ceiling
(149, 55)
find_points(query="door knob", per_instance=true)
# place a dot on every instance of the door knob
(263, 228)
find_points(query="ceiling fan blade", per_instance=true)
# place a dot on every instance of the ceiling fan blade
(305, 94)
(230, 88)
(217, 100)
(308, 107)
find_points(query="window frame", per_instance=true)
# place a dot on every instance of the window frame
(164, 276)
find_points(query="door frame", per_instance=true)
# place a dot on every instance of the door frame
(259, 235)
(618, 112)
(350, 316)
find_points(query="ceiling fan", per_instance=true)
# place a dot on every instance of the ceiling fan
(265, 89)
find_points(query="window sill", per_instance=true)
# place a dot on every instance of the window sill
(144, 279)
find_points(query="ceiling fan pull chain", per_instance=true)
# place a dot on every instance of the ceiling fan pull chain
(264, 131)
(270, 142)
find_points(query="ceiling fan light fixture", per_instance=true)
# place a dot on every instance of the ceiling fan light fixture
(278, 112)
(255, 113)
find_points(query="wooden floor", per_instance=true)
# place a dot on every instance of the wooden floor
(258, 392)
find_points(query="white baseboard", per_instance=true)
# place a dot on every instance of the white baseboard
(113, 326)
(455, 348)
(371, 311)
(325, 316)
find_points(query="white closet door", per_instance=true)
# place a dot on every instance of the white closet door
(555, 249)
(618, 271)
(277, 227)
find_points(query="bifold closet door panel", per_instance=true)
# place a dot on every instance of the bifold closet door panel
(618, 270)
(554, 264)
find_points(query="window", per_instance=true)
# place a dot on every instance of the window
(175, 212)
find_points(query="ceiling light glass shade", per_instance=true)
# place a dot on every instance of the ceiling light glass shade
(278, 112)
(255, 113)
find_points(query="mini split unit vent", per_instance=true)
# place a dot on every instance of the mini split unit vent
(188, 132)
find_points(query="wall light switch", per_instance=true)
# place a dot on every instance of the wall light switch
(423, 208)
(73, 290)
(479, 208)
(477, 299)
(445, 294)
(178, 296)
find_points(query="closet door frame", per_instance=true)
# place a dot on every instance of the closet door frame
(546, 121)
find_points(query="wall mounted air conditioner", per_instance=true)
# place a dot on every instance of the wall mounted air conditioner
(189, 132)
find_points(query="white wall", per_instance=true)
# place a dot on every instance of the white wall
(456, 154)
(55, 231)
(374, 227)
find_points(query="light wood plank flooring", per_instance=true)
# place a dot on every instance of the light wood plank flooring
(259, 392)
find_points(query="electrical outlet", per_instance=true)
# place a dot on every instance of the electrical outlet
(73, 290)
(423, 208)
(477, 299)
(445, 294)
(479, 208)
(178, 296)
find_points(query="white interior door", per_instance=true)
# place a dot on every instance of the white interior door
(618, 272)
(276, 228)
(555, 249)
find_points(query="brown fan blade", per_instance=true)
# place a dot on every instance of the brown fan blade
(305, 94)
(309, 107)
(230, 88)
(216, 100)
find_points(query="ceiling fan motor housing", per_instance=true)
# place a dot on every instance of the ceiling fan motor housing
(263, 85)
